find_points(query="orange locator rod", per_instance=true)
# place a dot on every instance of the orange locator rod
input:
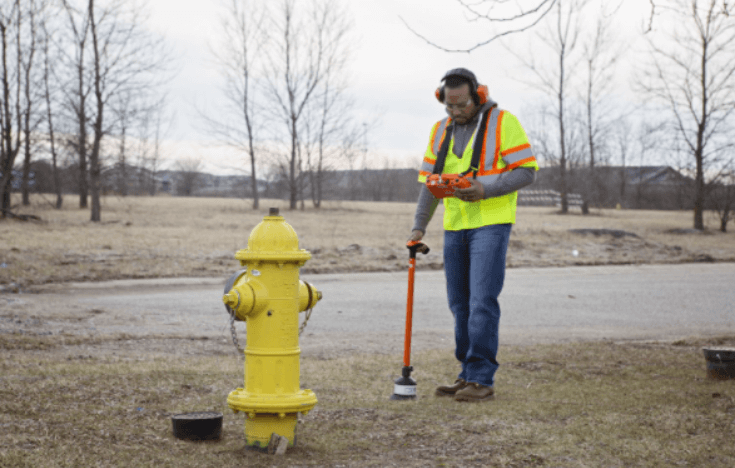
(409, 312)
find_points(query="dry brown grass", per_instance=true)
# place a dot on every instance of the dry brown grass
(78, 400)
(176, 237)
(572, 405)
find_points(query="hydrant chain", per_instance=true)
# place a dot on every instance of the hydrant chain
(307, 316)
(234, 333)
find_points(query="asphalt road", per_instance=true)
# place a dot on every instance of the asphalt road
(366, 311)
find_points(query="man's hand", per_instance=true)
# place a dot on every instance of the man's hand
(416, 236)
(475, 192)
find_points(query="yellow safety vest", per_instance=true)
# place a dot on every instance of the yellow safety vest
(505, 147)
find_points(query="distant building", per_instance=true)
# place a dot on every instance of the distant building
(642, 187)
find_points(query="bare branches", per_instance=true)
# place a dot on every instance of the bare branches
(535, 15)
(116, 60)
(17, 50)
(694, 78)
(307, 53)
(651, 16)
(506, 17)
(239, 57)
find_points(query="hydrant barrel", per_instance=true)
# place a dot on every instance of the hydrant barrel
(269, 297)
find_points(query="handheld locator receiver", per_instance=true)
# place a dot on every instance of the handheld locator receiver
(444, 185)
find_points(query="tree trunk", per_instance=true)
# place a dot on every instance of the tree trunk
(82, 144)
(699, 193)
(122, 175)
(293, 185)
(25, 180)
(94, 159)
(253, 178)
(28, 106)
(8, 153)
(562, 134)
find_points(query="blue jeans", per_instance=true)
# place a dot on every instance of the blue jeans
(474, 264)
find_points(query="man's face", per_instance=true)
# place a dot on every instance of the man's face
(460, 106)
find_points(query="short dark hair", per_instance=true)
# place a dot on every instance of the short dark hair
(455, 81)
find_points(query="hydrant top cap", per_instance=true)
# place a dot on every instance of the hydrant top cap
(273, 238)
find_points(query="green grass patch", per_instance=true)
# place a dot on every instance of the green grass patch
(570, 405)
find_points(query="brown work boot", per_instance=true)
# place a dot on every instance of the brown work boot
(474, 392)
(450, 390)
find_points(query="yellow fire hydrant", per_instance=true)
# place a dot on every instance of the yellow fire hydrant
(269, 297)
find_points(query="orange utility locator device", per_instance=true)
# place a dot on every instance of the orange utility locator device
(444, 185)
(405, 387)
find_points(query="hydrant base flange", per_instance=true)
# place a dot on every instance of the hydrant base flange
(302, 401)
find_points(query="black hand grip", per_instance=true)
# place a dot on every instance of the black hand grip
(417, 246)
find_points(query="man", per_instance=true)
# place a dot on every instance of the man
(477, 219)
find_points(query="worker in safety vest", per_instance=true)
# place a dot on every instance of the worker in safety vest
(490, 144)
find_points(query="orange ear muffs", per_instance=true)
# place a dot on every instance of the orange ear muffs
(483, 93)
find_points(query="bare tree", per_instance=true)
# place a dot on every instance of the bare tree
(49, 101)
(28, 43)
(331, 131)
(647, 136)
(692, 73)
(124, 113)
(553, 78)
(149, 147)
(132, 112)
(10, 144)
(600, 57)
(303, 47)
(239, 57)
(722, 197)
(621, 133)
(16, 58)
(77, 91)
(125, 58)
(189, 176)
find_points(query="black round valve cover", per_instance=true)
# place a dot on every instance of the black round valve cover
(203, 425)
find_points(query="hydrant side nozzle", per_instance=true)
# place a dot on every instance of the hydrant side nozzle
(244, 300)
(308, 296)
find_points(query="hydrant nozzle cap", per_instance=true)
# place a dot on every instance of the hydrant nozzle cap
(230, 299)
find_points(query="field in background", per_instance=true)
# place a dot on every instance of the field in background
(144, 237)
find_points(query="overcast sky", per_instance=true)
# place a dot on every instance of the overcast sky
(394, 72)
